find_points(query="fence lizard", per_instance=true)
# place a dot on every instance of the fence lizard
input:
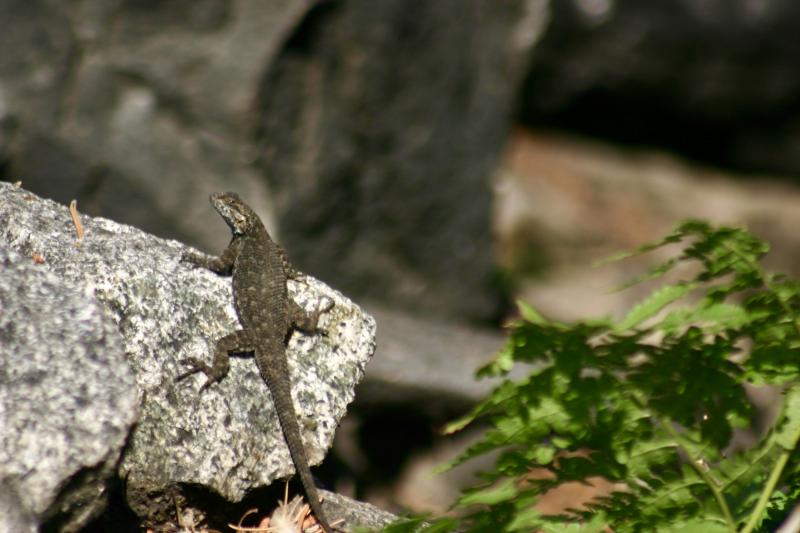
(259, 268)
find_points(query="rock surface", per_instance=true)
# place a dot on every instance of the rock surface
(67, 396)
(228, 438)
(355, 513)
(404, 110)
(428, 363)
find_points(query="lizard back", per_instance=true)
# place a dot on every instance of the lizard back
(259, 286)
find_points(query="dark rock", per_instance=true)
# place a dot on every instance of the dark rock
(381, 123)
(378, 124)
(40, 48)
(714, 80)
(427, 363)
(143, 100)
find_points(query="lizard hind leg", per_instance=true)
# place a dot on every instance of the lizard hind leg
(304, 321)
(238, 342)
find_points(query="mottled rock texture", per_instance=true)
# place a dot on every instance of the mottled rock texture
(226, 439)
(67, 397)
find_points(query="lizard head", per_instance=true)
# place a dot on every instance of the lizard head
(234, 211)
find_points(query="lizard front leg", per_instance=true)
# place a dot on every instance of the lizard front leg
(222, 265)
(240, 341)
(304, 321)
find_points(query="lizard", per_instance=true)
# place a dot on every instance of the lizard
(260, 268)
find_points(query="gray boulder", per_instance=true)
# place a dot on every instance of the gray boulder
(67, 396)
(227, 438)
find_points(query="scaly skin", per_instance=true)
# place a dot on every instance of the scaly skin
(267, 315)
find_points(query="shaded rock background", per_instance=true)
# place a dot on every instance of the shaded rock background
(376, 140)
(563, 203)
(714, 80)
(359, 125)
(396, 114)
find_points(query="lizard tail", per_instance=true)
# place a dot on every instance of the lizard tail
(284, 406)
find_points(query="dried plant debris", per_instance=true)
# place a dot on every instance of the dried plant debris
(289, 517)
(76, 218)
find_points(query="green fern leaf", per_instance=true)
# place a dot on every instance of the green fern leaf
(657, 301)
(788, 431)
(713, 316)
(503, 491)
(530, 314)
(649, 403)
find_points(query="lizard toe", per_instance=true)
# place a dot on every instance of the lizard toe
(210, 381)
(194, 366)
(191, 259)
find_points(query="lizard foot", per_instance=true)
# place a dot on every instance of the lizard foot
(193, 259)
(195, 366)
